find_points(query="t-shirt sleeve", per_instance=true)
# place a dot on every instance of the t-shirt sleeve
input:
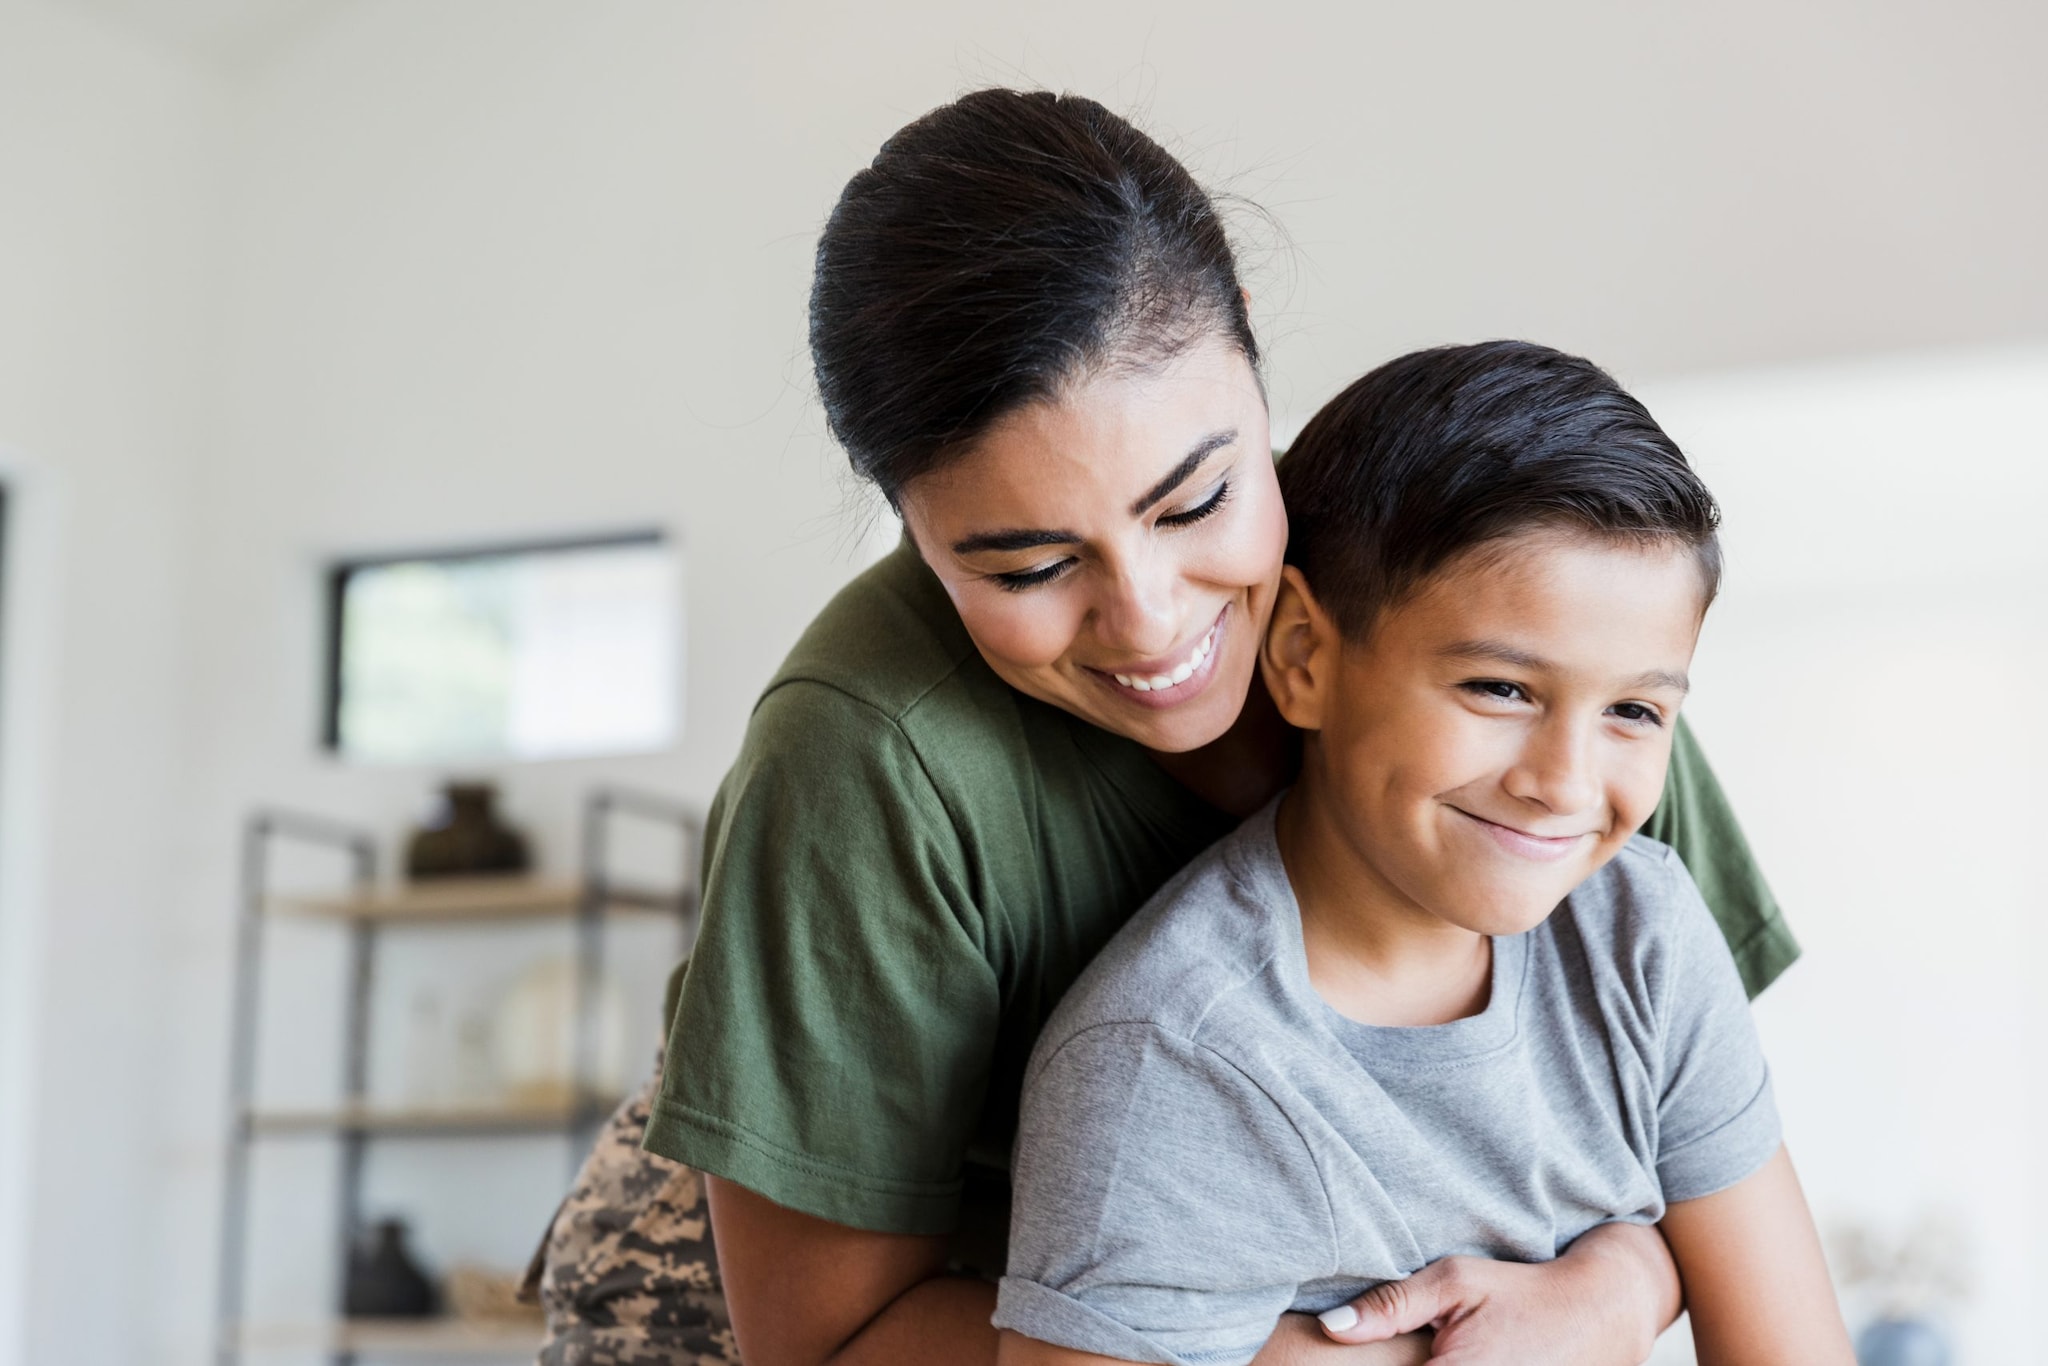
(831, 1041)
(1717, 1121)
(1160, 1200)
(1695, 818)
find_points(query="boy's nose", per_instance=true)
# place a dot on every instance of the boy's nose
(1556, 770)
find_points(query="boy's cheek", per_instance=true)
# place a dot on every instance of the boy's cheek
(1639, 791)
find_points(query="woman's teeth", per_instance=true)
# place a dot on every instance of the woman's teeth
(1182, 672)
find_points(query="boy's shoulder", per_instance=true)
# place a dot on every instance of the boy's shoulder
(1635, 912)
(1191, 957)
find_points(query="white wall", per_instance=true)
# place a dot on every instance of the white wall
(488, 268)
(1863, 686)
(109, 156)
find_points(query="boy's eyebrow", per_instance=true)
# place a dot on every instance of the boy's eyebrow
(1661, 678)
(1496, 652)
(1031, 540)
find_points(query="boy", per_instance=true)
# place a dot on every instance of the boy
(1362, 1033)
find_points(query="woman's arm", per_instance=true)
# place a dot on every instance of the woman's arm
(1755, 1280)
(806, 1292)
(1296, 1342)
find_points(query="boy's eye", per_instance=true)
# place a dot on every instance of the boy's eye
(1497, 688)
(1031, 578)
(1208, 505)
(1637, 713)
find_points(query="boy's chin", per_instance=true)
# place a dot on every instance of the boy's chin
(1507, 913)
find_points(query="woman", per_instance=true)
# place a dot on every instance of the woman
(986, 753)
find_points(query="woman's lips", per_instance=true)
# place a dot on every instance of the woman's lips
(1168, 683)
(1520, 843)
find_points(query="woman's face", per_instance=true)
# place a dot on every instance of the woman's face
(1115, 551)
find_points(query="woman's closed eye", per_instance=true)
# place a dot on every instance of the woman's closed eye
(1016, 581)
(1210, 503)
(1019, 580)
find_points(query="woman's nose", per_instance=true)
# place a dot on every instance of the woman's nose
(1136, 614)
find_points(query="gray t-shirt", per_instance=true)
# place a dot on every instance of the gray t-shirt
(1206, 1144)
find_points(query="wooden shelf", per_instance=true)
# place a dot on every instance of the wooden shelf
(454, 1120)
(443, 900)
(395, 1337)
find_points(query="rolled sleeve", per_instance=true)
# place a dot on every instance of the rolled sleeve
(1717, 1160)
(1039, 1311)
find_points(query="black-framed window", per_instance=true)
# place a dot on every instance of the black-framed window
(537, 650)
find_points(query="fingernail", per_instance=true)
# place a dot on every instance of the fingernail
(1341, 1319)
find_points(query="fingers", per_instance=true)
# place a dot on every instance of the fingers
(1394, 1307)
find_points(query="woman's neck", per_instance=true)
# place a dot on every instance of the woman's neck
(1242, 769)
(1374, 955)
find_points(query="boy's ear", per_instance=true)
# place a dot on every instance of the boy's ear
(1299, 653)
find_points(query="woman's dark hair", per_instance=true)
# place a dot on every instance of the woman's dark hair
(995, 249)
(1442, 451)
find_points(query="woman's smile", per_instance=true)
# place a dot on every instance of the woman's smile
(1167, 682)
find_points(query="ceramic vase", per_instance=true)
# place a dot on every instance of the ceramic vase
(383, 1280)
(466, 838)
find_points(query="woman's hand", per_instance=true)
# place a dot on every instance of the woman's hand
(1602, 1303)
(1300, 1341)
(1297, 1341)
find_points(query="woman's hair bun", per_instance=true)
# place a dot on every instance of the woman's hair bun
(994, 249)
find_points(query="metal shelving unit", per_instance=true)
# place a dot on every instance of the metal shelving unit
(365, 913)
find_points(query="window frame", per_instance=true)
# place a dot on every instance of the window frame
(339, 572)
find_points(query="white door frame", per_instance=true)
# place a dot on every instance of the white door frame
(30, 642)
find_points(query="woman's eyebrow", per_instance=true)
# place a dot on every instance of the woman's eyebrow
(1032, 540)
(1206, 447)
(1012, 540)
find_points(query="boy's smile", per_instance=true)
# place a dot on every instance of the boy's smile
(1496, 737)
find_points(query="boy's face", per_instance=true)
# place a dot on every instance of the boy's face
(1501, 733)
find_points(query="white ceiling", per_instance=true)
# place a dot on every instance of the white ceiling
(223, 34)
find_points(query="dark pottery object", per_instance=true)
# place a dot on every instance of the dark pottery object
(383, 1280)
(466, 838)
(1901, 1342)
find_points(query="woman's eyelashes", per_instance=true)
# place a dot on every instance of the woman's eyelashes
(1031, 578)
(1210, 503)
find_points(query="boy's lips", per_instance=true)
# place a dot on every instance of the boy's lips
(1522, 844)
(1171, 680)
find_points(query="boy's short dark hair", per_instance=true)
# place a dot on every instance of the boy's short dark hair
(1444, 450)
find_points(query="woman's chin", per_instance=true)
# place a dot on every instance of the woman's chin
(1178, 729)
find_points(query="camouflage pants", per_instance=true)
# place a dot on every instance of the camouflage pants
(627, 1273)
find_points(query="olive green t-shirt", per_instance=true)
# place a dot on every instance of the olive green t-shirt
(907, 866)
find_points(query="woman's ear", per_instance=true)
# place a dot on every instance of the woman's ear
(1299, 653)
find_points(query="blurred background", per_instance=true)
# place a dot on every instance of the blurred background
(363, 348)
